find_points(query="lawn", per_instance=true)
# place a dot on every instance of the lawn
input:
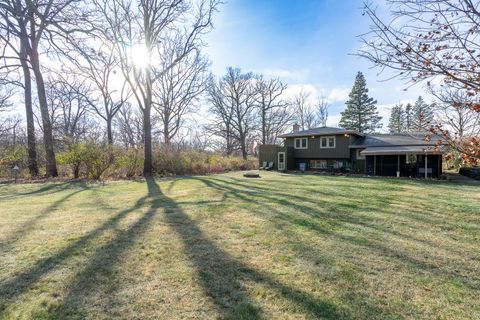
(224, 246)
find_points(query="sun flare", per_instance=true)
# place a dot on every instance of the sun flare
(140, 56)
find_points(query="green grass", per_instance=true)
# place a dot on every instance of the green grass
(224, 246)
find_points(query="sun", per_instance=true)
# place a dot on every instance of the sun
(140, 56)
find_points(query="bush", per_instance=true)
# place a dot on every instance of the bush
(94, 159)
(11, 156)
(129, 163)
(75, 157)
(472, 172)
(168, 161)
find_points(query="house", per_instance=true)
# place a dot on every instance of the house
(337, 149)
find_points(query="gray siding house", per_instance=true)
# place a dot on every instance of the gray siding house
(337, 149)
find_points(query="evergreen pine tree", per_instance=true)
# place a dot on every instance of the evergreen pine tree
(408, 117)
(422, 115)
(396, 123)
(361, 113)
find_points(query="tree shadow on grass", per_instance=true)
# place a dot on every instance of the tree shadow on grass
(12, 288)
(46, 188)
(221, 276)
(331, 224)
(97, 275)
(28, 225)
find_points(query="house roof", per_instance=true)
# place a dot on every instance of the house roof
(397, 150)
(392, 140)
(322, 131)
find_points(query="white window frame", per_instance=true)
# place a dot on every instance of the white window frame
(281, 165)
(411, 158)
(300, 139)
(322, 164)
(327, 138)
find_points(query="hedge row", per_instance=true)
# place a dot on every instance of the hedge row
(94, 161)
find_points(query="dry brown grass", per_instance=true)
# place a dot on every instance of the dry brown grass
(224, 246)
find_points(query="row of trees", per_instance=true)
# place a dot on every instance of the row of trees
(416, 118)
(136, 69)
(104, 52)
(246, 108)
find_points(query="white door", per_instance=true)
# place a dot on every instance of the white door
(281, 161)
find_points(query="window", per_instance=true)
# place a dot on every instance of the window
(411, 159)
(318, 164)
(327, 142)
(359, 155)
(301, 143)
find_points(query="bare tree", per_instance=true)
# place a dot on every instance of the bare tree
(137, 28)
(178, 89)
(11, 131)
(68, 108)
(222, 116)
(12, 57)
(435, 41)
(37, 23)
(129, 126)
(99, 65)
(239, 92)
(303, 111)
(6, 94)
(321, 110)
(456, 116)
(273, 110)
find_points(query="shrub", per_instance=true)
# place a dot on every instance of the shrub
(75, 157)
(472, 172)
(93, 158)
(129, 163)
(11, 156)
(98, 160)
(168, 161)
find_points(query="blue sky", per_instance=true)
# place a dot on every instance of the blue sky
(308, 44)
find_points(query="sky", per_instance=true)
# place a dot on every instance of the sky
(308, 44)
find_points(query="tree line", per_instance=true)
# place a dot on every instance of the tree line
(132, 73)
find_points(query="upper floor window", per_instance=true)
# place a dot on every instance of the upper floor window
(301, 143)
(327, 142)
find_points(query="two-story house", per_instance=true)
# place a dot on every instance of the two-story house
(337, 149)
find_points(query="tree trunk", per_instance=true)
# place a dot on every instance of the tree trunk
(32, 148)
(166, 133)
(51, 165)
(228, 138)
(264, 126)
(147, 128)
(76, 170)
(244, 148)
(109, 131)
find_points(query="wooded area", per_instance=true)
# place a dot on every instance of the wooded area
(130, 77)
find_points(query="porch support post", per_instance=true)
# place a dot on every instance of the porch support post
(426, 166)
(375, 165)
(398, 166)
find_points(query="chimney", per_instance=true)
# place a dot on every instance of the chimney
(296, 127)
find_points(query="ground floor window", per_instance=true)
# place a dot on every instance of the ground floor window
(318, 164)
(327, 164)
(338, 165)
(411, 159)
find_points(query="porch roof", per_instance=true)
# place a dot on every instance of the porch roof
(400, 150)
